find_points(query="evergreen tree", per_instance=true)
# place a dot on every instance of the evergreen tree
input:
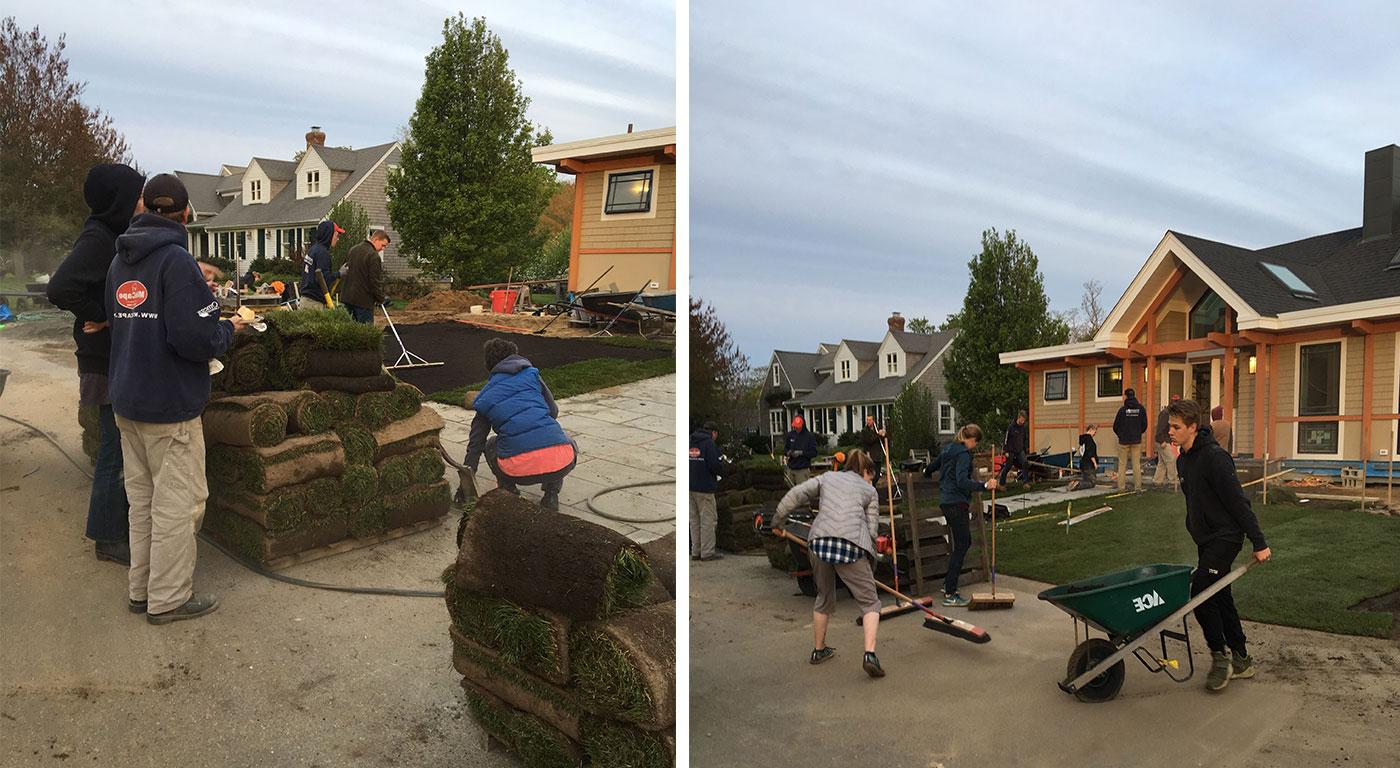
(355, 221)
(717, 367)
(913, 422)
(1005, 309)
(466, 198)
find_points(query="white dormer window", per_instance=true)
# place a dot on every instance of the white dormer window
(775, 374)
(313, 182)
(892, 362)
(255, 190)
(845, 370)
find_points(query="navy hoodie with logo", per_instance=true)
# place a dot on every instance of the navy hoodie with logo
(1130, 423)
(705, 463)
(165, 325)
(317, 259)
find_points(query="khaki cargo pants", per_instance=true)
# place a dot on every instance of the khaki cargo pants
(703, 516)
(1129, 454)
(165, 485)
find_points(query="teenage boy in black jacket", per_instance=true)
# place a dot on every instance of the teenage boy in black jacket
(1129, 426)
(705, 469)
(79, 285)
(1218, 517)
(1016, 440)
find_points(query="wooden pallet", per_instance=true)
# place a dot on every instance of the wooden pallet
(350, 545)
(929, 543)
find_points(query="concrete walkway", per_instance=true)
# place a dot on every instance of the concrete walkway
(625, 434)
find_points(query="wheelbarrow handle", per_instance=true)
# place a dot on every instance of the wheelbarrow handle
(1179, 614)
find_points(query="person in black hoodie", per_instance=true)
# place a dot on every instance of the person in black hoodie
(318, 261)
(1218, 517)
(165, 330)
(1016, 439)
(705, 469)
(78, 286)
(872, 440)
(1129, 426)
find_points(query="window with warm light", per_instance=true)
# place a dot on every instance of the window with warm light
(1110, 381)
(629, 192)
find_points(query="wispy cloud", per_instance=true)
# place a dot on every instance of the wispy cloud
(848, 157)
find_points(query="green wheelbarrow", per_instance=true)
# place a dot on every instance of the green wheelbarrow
(1134, 607)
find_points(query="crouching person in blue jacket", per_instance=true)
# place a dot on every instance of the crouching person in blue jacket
(165, 329)
(529, 447)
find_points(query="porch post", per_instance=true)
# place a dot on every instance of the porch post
(1083, 374)
(1368, 376)
(1153, 408)
(1030, 408)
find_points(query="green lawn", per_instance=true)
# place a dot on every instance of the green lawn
(1324, 559)
(583, 376)
(637, 342)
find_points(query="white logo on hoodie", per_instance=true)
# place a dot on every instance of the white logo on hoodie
(213, 308)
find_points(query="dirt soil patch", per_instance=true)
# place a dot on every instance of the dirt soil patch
(459, 346)
(447, 301)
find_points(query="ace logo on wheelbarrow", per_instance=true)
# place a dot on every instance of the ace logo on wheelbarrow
(1147, 602)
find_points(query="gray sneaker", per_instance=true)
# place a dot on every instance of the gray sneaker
(193, 608)
(1241, 667)
(1219, 675)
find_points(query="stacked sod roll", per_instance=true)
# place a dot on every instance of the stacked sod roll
(565, 637)
(310, 441)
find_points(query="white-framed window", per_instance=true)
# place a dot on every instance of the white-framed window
(1056, 386)
(255, 188)
(776, 378)
(1108, 382)
(892, 362)
(845, 370)
(776, 422)
(945, 418)
(1320, 393)
(313, 182)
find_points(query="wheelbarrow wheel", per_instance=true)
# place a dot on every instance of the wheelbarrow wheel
(1107, 685)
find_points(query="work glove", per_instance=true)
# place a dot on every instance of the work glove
(882, 545)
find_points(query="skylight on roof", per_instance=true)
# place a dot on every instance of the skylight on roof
(1290, 281)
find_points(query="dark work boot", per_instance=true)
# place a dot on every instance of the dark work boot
(872, 665)
(550, 501)
(193, 608)
(1219, 675)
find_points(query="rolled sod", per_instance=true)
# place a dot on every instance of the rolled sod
(372, 409)
(326, 329)
(249, 369)
(615, 745)
(293, 461)
(662, 556)
(261, 424)
(404, 401)
(536, 641)
(307, 412)
(354, 385)
(538, 744)
(419, 430)
(483, 668)
(417, 504)
(422, 467)
(626, 666)
(305, 359)
(341, 405)
(252, 542)
(540, 559)
(368, 519)
(358, 443)
(283, 510)
(359, 484)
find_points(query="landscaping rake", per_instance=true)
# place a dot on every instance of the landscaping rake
(406, 359)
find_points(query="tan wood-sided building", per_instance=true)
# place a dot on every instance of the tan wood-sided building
(624, 209)
(1298, 343)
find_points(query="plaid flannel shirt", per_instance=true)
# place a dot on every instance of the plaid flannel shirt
(836, 551)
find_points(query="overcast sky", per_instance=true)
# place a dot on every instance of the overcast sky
(848, 156)
(193, 85)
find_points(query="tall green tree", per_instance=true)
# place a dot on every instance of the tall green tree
(49, 139)
(352, 218)
(718, 370)
(466, 198)
(913, 422)
(1005, 309)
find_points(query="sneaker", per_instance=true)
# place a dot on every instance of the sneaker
(871, 664)
(136, 606)
(822, 654)
(550, 502)
(193, 608)
(1219, 675)
(955, 600)
(115, 551)
(708, 558)
(1241, 667)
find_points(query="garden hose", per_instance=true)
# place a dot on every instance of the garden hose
(254, 567)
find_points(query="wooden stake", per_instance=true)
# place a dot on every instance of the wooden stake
(1265, 499)
(889, 497)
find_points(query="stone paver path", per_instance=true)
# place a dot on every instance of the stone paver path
(625, 434)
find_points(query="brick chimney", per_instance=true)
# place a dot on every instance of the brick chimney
(316, 136)
(896, 322)
(1380, 203)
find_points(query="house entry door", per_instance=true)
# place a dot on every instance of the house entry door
(1175, 381)
(1201, 386)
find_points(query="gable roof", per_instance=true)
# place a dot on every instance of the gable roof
(863, 350)
(202, 188)
(277, 170)
(230, 183)
(922, 343)
(286, 209)
(1339, 266)
(799, 368)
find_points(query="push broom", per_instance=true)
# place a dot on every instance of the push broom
(982, 601)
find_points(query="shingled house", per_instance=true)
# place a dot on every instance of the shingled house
(269, 208)
(837, 386)
(1299, 343)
